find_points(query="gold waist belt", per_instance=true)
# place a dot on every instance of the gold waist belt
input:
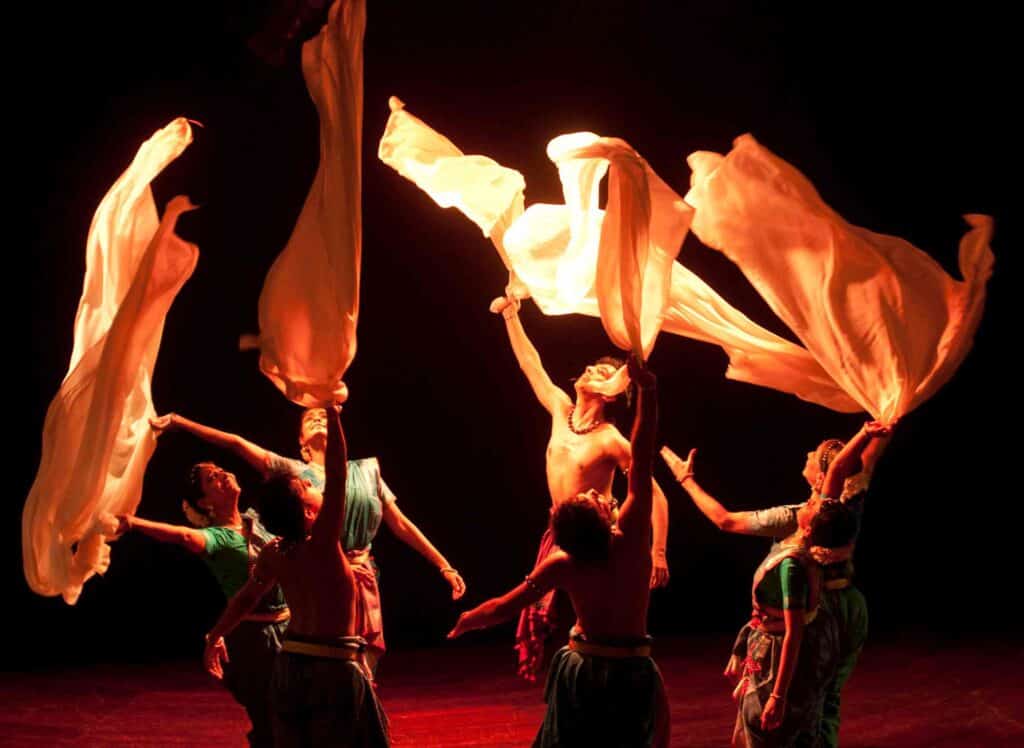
(601, 650)
(272, 617)
(319, 650)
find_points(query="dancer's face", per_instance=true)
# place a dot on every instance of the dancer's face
(313, 428)
(812, 469)
(593, 377)
(311, 499)
(220, 488)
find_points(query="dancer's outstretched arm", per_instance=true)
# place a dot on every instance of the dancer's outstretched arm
(188, 537)
(683, 470)
(255, 455)
(550, 573)
(407, 531)
(550, 396)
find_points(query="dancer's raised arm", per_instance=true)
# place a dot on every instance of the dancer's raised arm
(635, 515)
(330, 521)
(858, 455)
(548, 393)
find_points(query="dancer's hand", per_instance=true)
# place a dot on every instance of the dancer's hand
(640, 374)
(733, 669)
(771, 715)
(681, 469)
(455, 580)
(214, 656)
(166, 422)
(659, 569)
(506, 306)
(464, 624)
(124, 524)
(877, 429)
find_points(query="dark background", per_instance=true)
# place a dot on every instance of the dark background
(900, 118)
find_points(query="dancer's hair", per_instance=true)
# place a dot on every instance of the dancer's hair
(581, 530)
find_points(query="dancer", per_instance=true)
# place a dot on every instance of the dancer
(368, 501)
(603, 688)
(321, 694)
(833, 469)
(228, 542)
(583, 452)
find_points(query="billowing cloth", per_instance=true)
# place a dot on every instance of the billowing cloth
(326, 701)
(96, 438)
(310, 300)
(883, 319)
(643, 228)
(606, 701)
(552, 250)
(756, 356)
(536, 621)
(486, 192)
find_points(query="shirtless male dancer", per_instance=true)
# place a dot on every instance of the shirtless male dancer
(321, 693)
(603, 688)
(583, 452)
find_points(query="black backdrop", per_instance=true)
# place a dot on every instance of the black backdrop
(900, 118)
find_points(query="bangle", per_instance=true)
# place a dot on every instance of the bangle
(688, 476)
(777, 697)
(446, 569)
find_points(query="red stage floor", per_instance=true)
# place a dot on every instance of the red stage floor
(905, 693)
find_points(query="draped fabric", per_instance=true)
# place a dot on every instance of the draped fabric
(643, 228)
(487, 193)
(309, 305)
(887, 324)
(96, 437)
(756, 356)
(553, 249)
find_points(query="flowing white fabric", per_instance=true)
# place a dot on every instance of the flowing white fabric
(487, 193)
(96, 438)
(642, 231)
(553, 249)
(883, 319)
(309, 305)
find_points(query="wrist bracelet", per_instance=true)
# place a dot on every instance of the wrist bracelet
(446, 569)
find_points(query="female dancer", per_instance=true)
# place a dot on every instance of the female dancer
(368, 501)
(229, 542)
(839, 594)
